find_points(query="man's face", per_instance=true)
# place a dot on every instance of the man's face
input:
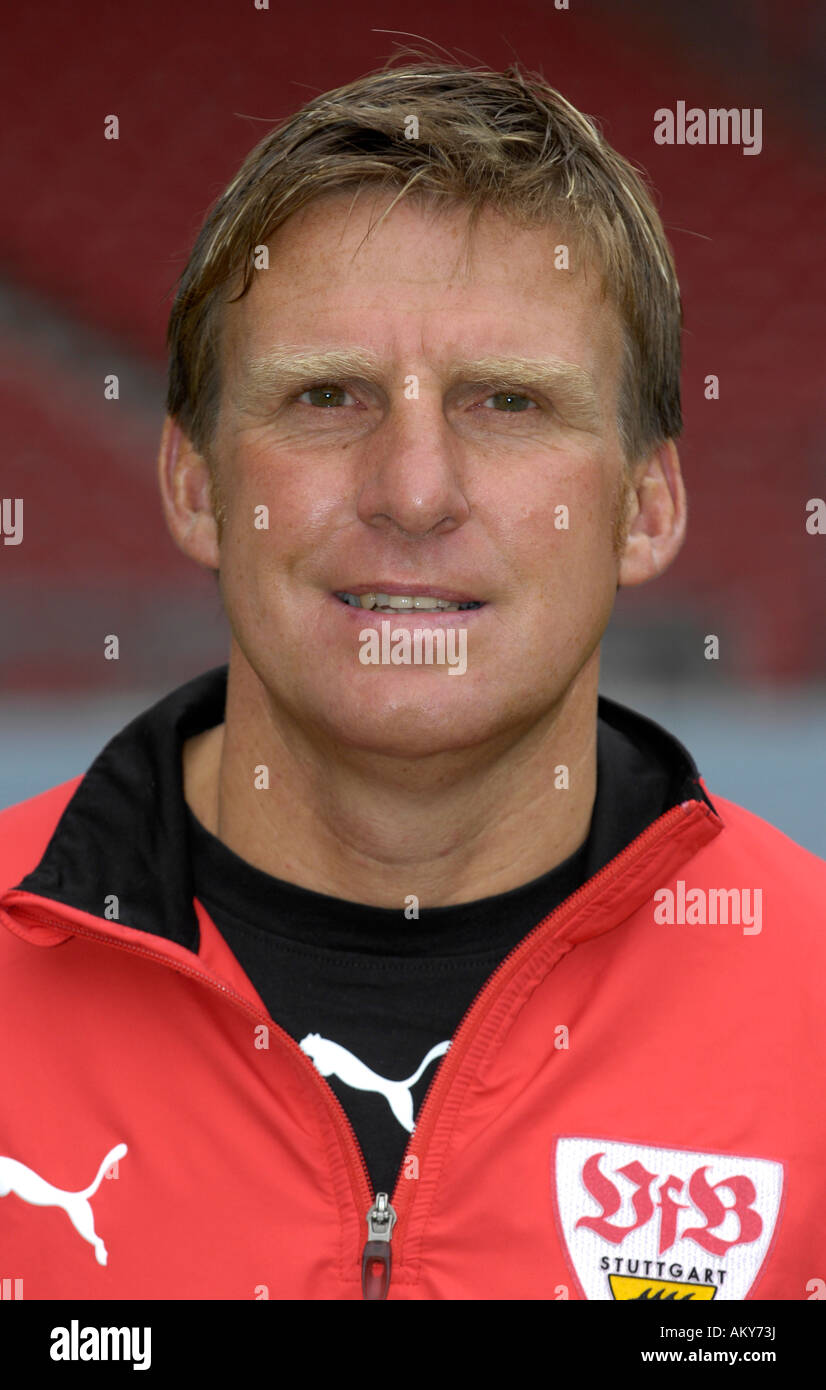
(402, 468)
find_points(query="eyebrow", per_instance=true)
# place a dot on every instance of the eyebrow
(282, 369)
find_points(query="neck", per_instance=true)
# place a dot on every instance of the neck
(454, 828)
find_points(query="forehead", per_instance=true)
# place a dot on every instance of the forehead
(423, 286)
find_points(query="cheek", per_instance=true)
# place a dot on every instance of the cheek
(283, 499)
(560, 534)
(591, 523)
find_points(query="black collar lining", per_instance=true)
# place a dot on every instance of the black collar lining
(125, 829)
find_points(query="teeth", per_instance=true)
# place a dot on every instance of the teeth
(395, 603)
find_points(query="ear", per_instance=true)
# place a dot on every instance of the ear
(184, 478)
(657, 514)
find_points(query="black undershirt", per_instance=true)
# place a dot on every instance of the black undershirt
(388, 988)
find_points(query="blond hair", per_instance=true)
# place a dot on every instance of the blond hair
(485, 139)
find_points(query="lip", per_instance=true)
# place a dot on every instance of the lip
(382, 586)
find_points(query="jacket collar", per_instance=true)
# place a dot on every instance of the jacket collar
(124, 831)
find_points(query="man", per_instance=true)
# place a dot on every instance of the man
(424, 392)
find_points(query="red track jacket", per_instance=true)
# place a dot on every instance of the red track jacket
(634, 1106)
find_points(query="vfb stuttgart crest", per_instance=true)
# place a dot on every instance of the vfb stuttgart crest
(646, 1223)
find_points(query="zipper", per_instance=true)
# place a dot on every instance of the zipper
(377, 1256)
(380, 1214)
(466, 1030)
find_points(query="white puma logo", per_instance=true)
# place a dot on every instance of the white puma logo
(16, 1177)
(331, 1058)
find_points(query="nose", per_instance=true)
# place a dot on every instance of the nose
(413, 472)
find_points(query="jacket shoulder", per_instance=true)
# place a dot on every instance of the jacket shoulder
(27, 827)
(763, 856)
(761, 836)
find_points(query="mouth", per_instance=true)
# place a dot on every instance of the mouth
(390, 598)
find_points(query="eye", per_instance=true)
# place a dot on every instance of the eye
(326, 395)
(510, 401)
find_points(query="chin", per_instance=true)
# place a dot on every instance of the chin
(408, 724)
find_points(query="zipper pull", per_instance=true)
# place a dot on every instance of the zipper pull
(376, 1261)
